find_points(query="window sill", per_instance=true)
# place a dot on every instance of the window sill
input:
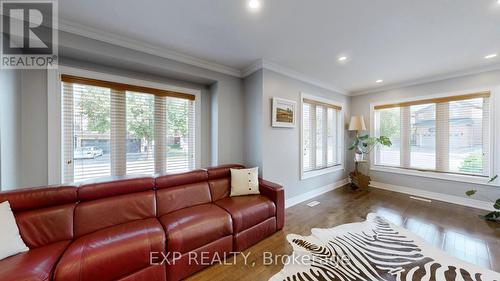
(433, 175)
(315, 173)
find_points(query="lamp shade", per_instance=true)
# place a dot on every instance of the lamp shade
(357, 123)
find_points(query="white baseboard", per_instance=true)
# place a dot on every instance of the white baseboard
(435, 196)
(313, 193)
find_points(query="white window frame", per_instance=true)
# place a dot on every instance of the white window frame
(54, 111)
(494, 161)
(310, 174)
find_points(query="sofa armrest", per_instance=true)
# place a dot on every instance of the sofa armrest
(276, 193)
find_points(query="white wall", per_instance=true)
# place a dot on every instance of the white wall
(10, 124)
(360, 105)
(277, 150)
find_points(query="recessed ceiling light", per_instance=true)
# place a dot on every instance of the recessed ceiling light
(491, 55)
(379, 81)
(254, 5)
(342, 58)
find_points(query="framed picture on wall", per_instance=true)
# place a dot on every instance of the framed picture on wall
(284, 113)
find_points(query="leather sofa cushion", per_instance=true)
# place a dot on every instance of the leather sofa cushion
(179, 197)
(111, 253)
(219, 180)
(251, 236)
(223, 171)
(34, 265)
(220, 188)
(113, 186)
(193, 227)
(98, 214)
(44, 215)
(40, 197)
(46, 226)
(169, 180)
(247, 211)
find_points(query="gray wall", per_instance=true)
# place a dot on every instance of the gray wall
(33, 141)
(23, 102)
(10, 124)
(277, 150)
(254, 90)
(360, 105)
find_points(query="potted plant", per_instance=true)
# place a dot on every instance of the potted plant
(363, 145)
(494, 215)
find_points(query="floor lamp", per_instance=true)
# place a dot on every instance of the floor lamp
(358, 180)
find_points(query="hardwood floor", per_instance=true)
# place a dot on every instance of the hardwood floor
(453, 228)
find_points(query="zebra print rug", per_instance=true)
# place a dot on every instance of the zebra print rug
(372, 250)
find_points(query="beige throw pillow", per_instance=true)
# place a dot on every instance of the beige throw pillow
(11, 242)
(244, 181)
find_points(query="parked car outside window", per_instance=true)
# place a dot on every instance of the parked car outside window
(88, 152)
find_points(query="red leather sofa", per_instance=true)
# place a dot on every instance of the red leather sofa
(109, 229)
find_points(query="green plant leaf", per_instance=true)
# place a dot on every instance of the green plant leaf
(493, 216)
(497, 204)
(354, 144)
(371, 141)
(364, 144)
(493, 179)
(385, 141)
(470, 192)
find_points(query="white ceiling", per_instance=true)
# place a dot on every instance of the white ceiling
(398, 41)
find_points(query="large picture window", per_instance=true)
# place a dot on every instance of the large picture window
(119, 129)
(321, 136)
(448, 134)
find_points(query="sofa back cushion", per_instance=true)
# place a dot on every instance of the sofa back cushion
(178, 191)
(44, 215)
(113, 201)
(219, 180)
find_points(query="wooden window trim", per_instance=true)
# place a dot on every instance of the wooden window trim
(124, 87)
(485, 94)
(310, 101)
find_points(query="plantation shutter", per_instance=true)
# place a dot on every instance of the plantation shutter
(449, 134)
(180, 155)
(140, 133)
(86, 132)
(118, 133)
(321, 135)
(307, 132)
(118, 129)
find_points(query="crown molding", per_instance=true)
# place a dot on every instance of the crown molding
(430, 79)
(256, 65)
(78, 29)
(303, 77)
(269, 65)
